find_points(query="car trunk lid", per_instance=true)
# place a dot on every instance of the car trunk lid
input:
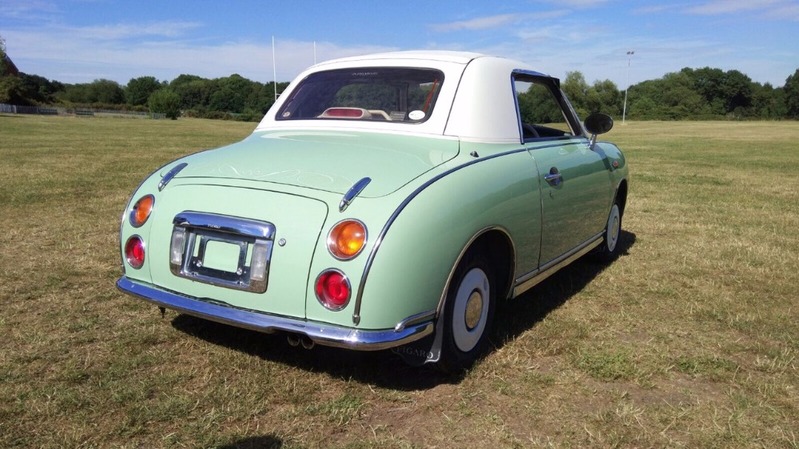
(324, 160)
(224, 230)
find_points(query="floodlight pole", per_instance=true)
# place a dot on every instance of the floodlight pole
(624, 110)
(274, 66)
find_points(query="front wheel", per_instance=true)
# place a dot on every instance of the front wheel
(468, 313)
(608, 250)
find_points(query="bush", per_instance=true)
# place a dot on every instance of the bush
(166, 102)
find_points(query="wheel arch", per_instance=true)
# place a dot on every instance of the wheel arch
(621, 196)
(496, 245)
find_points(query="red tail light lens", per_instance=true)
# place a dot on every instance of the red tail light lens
(134, 252)
(333, 289)
(346, 239)
(141, 210)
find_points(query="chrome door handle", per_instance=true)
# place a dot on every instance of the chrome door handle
(554, 177)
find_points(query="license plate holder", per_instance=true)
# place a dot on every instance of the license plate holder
(222, 251)
(214, 257)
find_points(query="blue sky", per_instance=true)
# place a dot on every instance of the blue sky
(76, 41)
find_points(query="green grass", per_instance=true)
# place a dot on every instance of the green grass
(690, 339)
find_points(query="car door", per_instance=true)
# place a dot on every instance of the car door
(573, 178)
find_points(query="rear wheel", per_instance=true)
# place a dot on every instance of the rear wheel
(468, 313)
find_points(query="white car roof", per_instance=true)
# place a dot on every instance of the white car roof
(476, 101)
(458, 57)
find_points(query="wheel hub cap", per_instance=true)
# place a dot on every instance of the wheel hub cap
(474, 309)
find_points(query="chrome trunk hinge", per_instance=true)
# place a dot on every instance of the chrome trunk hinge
(352, 193)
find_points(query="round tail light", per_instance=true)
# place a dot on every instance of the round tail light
(346, 239)
(134, 251)
(333, 289)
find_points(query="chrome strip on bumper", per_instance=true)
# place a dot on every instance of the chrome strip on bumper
(319, 333)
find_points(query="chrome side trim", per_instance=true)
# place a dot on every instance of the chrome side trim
(170, 174)
(320, 333)
(356, 315)
(354, 191)
(534, 277)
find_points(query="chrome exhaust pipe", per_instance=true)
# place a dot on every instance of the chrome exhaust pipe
(295, 340)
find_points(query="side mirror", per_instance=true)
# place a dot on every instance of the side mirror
(598, 123)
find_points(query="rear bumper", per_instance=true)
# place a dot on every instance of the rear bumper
(319, 333)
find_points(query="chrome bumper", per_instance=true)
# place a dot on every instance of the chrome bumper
(319, 333)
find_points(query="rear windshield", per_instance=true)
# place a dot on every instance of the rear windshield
(405, 95)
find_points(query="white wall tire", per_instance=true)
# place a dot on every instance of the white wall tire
(609, 249)
(613, 230)
(470, 309)
(468, 314)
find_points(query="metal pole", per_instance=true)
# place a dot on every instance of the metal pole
(274, 66)
(624, 110)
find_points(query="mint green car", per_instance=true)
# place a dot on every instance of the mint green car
(384, 202)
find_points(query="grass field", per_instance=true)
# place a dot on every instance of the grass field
(690, 339)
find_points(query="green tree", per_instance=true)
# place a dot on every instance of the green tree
(679, 98)
(38, 89)
(231, 94)
(605, 97)
(166, 102)
(2, 56)
(139, 89)
(791, 92)
(10, 88)
(602, 96)
(726, 93)
(576, 89)
(768, 103)
(99, 91)
(106, 91)
(193, 91)
(11, 91)
(709, 83)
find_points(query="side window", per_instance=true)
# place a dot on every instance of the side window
(540, 113)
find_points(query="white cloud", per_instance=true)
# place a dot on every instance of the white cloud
(784, 12)
(732, 6)
(497, 21)
(479, 23)
(27, 9)
(125, 31)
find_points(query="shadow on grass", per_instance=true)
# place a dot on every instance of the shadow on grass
(262, 442)
(385, 369)
(382, 368)
(522, 313)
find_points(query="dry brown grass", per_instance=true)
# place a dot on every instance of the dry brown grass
(690, 339)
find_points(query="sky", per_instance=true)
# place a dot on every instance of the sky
(79, 41)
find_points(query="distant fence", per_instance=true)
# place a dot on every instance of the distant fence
(77, 112)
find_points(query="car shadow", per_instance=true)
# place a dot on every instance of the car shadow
(384, 368)
(262, 442)
(524, 312)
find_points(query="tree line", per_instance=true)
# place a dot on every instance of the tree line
(232, 97)
(690, 94)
